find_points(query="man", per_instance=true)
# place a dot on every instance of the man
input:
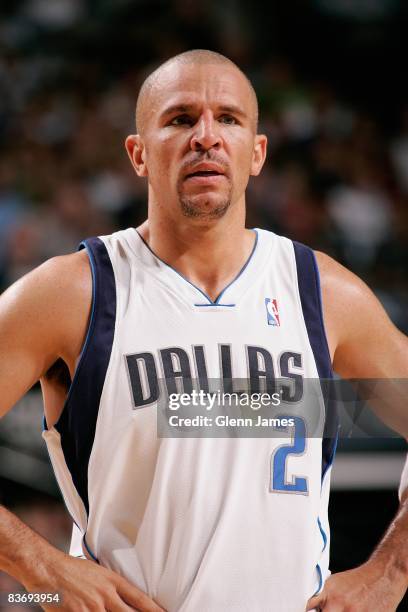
(196, 523)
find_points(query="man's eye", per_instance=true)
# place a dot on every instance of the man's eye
(182, 120)
(228, 119)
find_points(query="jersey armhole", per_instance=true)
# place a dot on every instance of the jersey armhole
(311, 301)
(77, 422)
(86, 342)
(320, 304)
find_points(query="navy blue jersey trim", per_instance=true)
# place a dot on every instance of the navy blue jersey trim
(310, 297)
(77, 423)
(211, 303)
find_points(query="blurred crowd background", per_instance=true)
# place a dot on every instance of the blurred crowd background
(332, 88)
(333, 100)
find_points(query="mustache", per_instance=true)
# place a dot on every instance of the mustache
(207, 156)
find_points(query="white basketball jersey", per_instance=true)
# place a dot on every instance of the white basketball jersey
(201, 522)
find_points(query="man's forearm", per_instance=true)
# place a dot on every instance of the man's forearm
(24, 554)
(392, 551)
(380, 583)
(83, 584)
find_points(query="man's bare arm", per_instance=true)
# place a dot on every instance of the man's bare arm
(365, 344)
(43, 319)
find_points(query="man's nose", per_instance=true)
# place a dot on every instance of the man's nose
(206, 134)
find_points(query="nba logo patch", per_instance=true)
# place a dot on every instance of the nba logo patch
(272, 312)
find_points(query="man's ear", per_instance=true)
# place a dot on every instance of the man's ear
(259, 154)
(137, 153)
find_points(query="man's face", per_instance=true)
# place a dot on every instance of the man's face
(198, 142)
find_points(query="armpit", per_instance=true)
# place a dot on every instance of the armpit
(59, 374)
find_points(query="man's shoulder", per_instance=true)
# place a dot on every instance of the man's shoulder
(65, 264)
(44, 317)
(63, 275)
(351, 310)
(337, 280)
(58, 290)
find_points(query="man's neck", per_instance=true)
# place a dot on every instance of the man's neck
(209, 256)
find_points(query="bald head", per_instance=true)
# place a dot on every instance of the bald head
(197, 57)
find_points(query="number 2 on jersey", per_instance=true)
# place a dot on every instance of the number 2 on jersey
(279, 478)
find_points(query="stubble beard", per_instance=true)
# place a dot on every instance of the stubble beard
(203, 209)
(194, 211)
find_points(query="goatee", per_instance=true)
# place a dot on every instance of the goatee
(198, 211)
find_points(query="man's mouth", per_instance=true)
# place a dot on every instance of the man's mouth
(204, 173)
